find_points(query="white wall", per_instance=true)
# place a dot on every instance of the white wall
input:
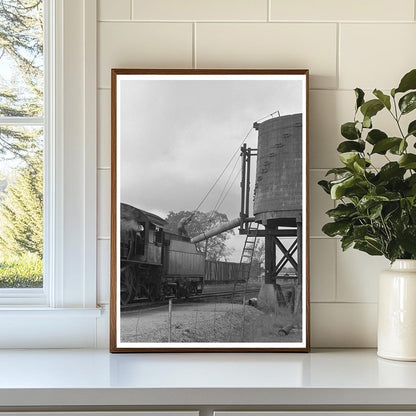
(344, 43)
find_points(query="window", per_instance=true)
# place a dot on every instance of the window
(158, 235)
(64, 312)
(22, 128)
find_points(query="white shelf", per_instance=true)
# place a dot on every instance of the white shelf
(97, 378)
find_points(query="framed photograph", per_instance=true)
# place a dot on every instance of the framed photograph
(209, 211)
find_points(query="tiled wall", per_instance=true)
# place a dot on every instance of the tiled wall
(344, 43)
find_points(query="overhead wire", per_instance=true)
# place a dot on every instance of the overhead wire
(223, 171)
(226, 184)
(229, 163)
(224, 191)
(229, 189)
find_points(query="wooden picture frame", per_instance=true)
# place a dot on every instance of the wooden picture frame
(189, 148)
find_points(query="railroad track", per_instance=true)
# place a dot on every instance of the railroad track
(143, 304)
(225, 294)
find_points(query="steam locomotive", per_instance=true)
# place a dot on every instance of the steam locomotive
(155, 263)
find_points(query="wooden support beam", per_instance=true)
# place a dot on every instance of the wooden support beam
(247, 204)
(298, 299)
(300, 258)
(269, 258)
(286, 253)
(283, 261)
(278, 233)
(243, 180)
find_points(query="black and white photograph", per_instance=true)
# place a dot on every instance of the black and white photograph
(209, 244)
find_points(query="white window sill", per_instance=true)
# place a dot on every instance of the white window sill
(322, 379)
(38, 311)
(22, 297)
(40, 327)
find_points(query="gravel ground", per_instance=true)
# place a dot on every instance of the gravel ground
(206, 322)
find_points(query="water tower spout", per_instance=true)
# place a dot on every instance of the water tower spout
(221, 228)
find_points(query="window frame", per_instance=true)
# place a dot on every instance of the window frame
(37, 296)
(28, 317)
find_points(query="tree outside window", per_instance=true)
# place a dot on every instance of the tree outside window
(21, 143)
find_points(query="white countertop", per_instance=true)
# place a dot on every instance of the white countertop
(96, 377)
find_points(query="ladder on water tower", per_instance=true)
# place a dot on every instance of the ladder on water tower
(248, 250)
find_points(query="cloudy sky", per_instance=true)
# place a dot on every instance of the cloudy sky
(177, 136)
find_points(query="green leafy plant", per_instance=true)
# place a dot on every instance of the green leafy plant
(376, 210)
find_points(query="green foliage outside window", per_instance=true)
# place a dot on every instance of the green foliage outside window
(21, 146)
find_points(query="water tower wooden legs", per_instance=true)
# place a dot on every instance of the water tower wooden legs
(298, 293)
(271, 294)
(267, 298)
(269, 258)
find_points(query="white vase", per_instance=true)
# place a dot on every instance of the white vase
(397, 312)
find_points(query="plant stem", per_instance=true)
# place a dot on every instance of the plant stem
(397, 118)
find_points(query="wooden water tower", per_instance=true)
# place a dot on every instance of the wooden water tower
(278, 192)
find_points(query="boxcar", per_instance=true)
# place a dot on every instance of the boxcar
(224, 272)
